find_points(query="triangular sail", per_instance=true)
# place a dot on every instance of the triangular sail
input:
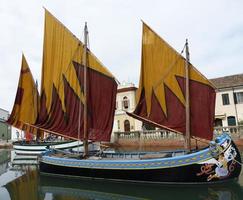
(161, 92)
(25, 109)
(62, 86)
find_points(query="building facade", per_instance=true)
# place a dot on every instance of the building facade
(125, 102)
(5, 129)
(228, 107)
(229, 100)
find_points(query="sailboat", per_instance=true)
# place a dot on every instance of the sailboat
(163, 100)
(25, 113)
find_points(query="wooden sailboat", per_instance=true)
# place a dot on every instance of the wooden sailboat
(162, 99)
(25, 112)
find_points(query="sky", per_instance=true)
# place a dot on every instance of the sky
(214, 29)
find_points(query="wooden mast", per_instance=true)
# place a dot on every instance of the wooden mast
(188, 132)
(85, 140)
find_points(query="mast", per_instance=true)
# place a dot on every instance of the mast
(85, 90)
(188, 132)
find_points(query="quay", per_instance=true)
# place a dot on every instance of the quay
(158, 139)
(147, 139)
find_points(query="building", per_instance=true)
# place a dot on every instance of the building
(5, 129)
(125, 102)
(228, 108)
(229, 100)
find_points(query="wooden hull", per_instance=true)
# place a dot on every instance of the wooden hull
(198, 167)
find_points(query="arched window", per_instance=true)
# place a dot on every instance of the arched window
(231, 121)
(126, 125)
(125, 102)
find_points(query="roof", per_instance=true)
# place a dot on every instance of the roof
(126, 89)
(228, 81)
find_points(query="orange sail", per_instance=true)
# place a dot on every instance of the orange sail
(62, 86)
(25, 109)
(161, 93)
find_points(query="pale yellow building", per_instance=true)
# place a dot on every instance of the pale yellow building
(229, 100)
(125, 102)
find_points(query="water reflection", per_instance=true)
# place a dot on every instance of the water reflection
(24, 187)
(90, 189)
(28, 184)
(4, 159)
(34, 186)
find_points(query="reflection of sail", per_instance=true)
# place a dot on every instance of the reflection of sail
(24, 187)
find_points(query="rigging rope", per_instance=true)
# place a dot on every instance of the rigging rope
(240, 163)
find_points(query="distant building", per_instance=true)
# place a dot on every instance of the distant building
(5, 129)
(229, 100)
(125, 102)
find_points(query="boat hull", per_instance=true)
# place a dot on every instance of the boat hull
(23, 148)
(198, 167)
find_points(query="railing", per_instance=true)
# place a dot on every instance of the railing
(236, 132)
(146, 135)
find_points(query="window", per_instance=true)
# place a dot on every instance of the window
(147, 126)
(231, 121)
(238, 97)
(118, 124)
(218, 122)
(225, 99)
(116, 105)
(125, 102)
(126, 125)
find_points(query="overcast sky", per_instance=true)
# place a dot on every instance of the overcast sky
(214, 29)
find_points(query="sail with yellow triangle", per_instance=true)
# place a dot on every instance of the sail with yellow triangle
(162, 87)
(25, 109)
(63, 82)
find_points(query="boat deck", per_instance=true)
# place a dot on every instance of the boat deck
(120, 155)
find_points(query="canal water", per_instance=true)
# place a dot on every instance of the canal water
(23, 182)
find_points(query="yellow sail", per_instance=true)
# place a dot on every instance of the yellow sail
(25, 109)
(61, 48)
(161, 64)
(161, 92)
(62, 86)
